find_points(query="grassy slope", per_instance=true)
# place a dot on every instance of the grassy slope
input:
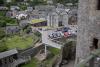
(55, 51)
(33, 63)
(19, 42)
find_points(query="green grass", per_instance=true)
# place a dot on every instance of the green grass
(3, 13)
(32, 63)
(21, 43)
(55, 51)
(36, 21)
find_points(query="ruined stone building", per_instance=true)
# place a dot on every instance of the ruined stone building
(88, 28)
(57, 19)
(73, 16)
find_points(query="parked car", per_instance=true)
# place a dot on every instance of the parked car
(55, 35)
(72, 32)
(65, 29)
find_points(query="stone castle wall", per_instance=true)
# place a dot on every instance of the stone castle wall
(88, 27)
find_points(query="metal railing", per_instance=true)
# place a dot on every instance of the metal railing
(90, 61)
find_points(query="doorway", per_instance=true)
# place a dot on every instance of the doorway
(98, 5)
(95, 43)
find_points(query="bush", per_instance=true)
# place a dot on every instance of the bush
(2, 23)
(37, 33)
(6, 20)
(2, 34)
(3, 46)
(3, 13)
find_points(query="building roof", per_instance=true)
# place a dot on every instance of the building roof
(8, 53)
(3, 8)
(37, 21)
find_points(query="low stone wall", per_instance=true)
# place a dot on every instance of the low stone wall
(31, 51)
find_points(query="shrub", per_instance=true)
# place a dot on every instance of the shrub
(37, 33)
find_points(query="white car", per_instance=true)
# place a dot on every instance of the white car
(55, 35)
(72, 32)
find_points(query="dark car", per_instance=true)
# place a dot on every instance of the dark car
(65, 29)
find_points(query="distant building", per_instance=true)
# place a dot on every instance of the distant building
(52, 19)
(14, 8)
(3, 8)
(12, 30)
(60, 6)
(45, 8)
(55, 16)
(57, 19)
(29, 8)
(12, 14)
(8, 1)
(72, 14)
(49, 1)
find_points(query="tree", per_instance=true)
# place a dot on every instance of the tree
(2, 23)
(6, 20)
(3, 46)
(2, 33)
(37, 2)
(1, 2)
(65, 1)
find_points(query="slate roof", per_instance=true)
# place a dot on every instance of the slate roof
(8, 53)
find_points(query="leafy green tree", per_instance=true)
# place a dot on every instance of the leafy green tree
(2, 23)
(37, 2)
(6, 20)
(2, 33)
(3, 13)
(23, 6)
(3, 46)
(1, 2)
(65, 1)
(37, 33)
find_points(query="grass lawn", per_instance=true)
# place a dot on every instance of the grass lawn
(32, 63)
(36, 21)
(21, 43)
(55, 51)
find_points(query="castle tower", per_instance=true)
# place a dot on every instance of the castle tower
(88, 28)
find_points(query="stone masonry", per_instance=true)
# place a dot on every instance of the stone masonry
(88, 27)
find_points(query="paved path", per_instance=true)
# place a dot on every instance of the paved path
(70, 64)
(47, 41)
(38, 44)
